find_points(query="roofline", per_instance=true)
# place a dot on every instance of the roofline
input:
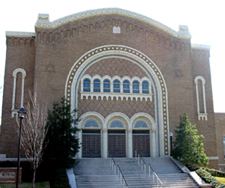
(200, 46)
(19, 34)
(43, 20)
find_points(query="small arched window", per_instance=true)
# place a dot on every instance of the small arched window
(106, 85)
(97, 85)
(91, 124)
(140, 124)
(86, 85)
(135, 86)
(116, 86)
(126, 86)
(116, 124)
(145, 87)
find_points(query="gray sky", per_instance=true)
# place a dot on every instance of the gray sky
(205, 20)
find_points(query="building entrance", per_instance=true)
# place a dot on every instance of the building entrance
(116, 143)
(91, 143)
(141, 143)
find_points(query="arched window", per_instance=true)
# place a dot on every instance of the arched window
(135, 86)
(91, 123)
(145, 87)
(140, 124)
(116, 86)
(86, 85)
(126, 86)
(116, 124)
(106, 85)
(201, 98)
(97, 85)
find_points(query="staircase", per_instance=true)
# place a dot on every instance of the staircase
(169, 173)
(96, 173)
(131, 173)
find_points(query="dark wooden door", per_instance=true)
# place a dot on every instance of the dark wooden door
(141, 143)
(91, 143)
(116, 143)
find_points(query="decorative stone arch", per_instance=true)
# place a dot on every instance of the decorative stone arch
(143, 116)
(91, 115)
(117, 116)
(138, 58)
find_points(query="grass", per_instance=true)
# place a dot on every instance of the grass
(220, 179)
(26, 185)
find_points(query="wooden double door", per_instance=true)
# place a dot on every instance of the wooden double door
(91, 143)
(141, 143)
(116, 143)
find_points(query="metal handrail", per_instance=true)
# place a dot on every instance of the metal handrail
(150, 169)
(124, 183)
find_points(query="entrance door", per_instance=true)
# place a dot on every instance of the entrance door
(116, 143)
(141, 143)
(91, 143)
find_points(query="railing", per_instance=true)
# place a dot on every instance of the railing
(118, 172)
(148, 170)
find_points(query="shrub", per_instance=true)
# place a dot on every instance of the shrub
(208, 178)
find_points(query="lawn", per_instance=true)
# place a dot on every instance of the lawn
(26, 185)
(220, 179)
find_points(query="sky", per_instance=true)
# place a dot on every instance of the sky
(205, 19)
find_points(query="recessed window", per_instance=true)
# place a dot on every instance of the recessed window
(140, 124)
(135, 86)
(126, 86)
(116, 86)
(116, 124)
(87, 85)
(91, 124)
(106, 85)
(145, 87)
(97, 85)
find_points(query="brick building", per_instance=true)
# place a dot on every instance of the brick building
(130, 77)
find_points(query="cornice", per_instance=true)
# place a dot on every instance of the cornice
(200, 46)
(18, 34)
(44, 23)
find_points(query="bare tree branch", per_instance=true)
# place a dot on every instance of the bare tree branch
(33, 132)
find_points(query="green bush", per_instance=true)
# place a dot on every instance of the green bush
(215, 172)
(208, 178)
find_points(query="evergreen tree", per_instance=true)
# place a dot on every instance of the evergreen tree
(189, 146)
(62, 144)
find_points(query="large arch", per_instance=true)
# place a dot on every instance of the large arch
(138, 58)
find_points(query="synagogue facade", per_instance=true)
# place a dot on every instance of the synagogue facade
(130, 78)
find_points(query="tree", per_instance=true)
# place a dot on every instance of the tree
(33, 132)
(61, 137)
(189, 146)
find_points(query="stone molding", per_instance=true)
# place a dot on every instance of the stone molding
(43, 19)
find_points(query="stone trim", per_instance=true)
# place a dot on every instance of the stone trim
(213, 158)
(200, 46)
(137, 57)
(19, 34)
(43, 20)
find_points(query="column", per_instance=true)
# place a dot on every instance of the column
(104, 143)
(79, 136)
(152, 143)
(129, 144)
